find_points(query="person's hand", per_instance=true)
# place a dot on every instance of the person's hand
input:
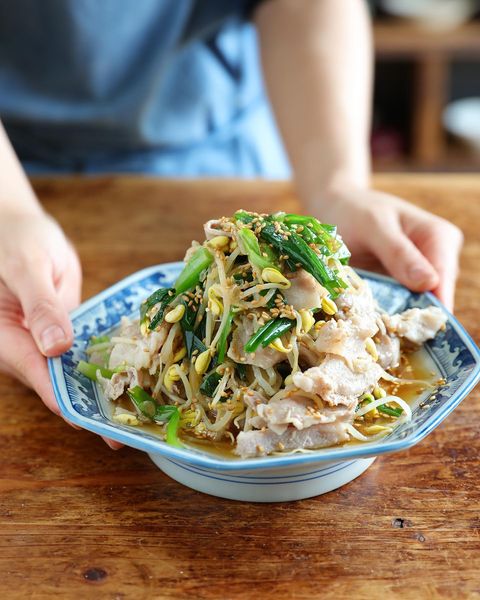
(40, 281)
(417, 248)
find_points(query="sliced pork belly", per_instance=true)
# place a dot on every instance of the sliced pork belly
(113, 388)
(388, 348)
(141, 350)
(336, 383)
(302, 413)
(359, 307)
(417, 325)
(261, 443)
(262, 357)
(346, 339)
(305, 291)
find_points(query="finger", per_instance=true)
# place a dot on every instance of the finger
(402, 259)
(21, 357)
(45, 315)
(71, 424)
(112, 443)
(70, 284)
(442, 246)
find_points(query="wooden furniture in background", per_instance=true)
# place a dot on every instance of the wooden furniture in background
(78, 520)
(432, 53)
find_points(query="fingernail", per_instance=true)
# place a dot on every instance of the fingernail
(51, 337)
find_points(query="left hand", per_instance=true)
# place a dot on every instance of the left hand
(419, 249)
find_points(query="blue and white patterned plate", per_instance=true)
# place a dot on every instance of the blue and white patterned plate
(452, 353)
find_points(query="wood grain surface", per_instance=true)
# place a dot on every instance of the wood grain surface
(78, 520)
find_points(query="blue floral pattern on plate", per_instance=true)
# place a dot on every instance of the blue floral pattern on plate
(453, 353)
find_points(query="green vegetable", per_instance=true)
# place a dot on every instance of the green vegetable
(101, 339)
(90, 370)
(252, 248)
(172, 430)
(387, 410)
(158, 296)
(192, 343)
(190, 336)
(222, 341)
(241, 371)
(161, 297)
(322, 234)
(149, 408)
(268, 332)
(210, 384)
(393, 412)
(271, 302)
(190, 276)
(300, 252)
(244, 216)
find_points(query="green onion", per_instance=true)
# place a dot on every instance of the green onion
(210, 384)
(90, 370)
(268, 332)
(101, 339)
(190, 276)
(191, 339)
(192, 343)
(172, 430)
(300, 252)
(150, 408)
(252, 248)
(161, 297)
(158, 296)
(222, 341)
(393, 412)
(241, 371)
(387, 410)
(280, 327)
(244, 216)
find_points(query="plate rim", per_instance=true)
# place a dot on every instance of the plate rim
(342, 453)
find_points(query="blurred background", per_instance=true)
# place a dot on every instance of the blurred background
(427, 86)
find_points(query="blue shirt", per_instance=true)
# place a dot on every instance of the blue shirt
(170, 87)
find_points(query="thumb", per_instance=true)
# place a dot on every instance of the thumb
(45, 315)
(402, 259)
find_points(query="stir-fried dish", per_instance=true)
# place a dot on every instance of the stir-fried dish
(267, 341)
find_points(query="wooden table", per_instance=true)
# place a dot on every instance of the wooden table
(78, 520)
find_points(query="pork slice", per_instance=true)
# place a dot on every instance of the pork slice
(113, 388)
(417, 325)
(214, 227)
(297, 411)
(140, 353)
(345, 339)
(262, 357)
(359, 307)
(305, 291)
(388, 348)
(261, 443)
(336, 383)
